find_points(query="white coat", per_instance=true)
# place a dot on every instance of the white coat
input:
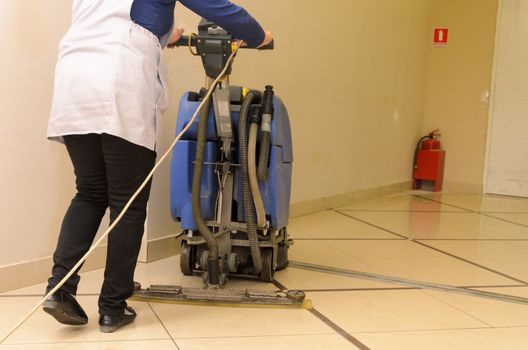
(110, 76)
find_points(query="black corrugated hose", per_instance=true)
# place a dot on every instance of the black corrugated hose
(213, 263)
(248, 198)
(416, 149)
(265, 132)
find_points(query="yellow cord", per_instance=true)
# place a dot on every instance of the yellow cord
(190, 45)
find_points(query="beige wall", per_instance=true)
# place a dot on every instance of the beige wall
(352, 74)
(458, 80)
(36, 179)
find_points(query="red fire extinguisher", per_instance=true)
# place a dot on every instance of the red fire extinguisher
(429, 160)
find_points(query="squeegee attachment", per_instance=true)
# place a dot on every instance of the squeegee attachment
(164, 293)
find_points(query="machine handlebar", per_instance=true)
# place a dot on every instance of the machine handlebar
(185, 41)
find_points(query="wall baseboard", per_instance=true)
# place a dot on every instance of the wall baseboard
(162, 248)
(32, 272)
(462, 187)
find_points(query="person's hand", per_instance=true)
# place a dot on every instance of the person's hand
(267, 39)
(177, 33)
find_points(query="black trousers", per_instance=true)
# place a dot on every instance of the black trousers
(108, 171)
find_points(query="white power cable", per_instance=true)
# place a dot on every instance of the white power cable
(131, 200)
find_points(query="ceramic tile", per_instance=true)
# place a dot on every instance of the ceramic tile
(493, 312)
(517, 218)
(462, 339)
(294, 278)
(382, 319)
(395, 310)
(42, 328)
(400, 202)
(412, 261)
(295, 342)
(114, 345)
(329, 224)
(321, 253)
(440, 225)
(188, 321)
(508, 257)
(483, 203)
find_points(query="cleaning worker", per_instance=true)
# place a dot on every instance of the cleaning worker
(109, 95)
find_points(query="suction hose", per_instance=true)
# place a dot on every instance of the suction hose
(246, 189)
(213, 262)
(416, 150)
(265, 135)
(252, 169)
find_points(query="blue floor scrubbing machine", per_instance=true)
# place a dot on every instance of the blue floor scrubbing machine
(230, 181)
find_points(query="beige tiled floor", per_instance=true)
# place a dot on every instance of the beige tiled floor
(461, 240)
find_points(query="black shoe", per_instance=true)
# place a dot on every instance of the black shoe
(63, 306)
(110, 324)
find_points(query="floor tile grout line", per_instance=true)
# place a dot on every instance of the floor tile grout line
(345, 290)
(473, 239)
(466, 211)
(440, 202)
(88, 341)
(163, 325)
(347, 239)
(409, 282)
(416, 239)
(446, 253)
(370, 224)
(356, 342)
(310, 213)
(483, 213)
(259, 336)
(374, 289)
(402, 211)
(279, 285)
(344, 252)
(503, 212)
(343, 333)
(470, 262)
(456, 308)
(504, 220)
(435, 330)
(499, 286)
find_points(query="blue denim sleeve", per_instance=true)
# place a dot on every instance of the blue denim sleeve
(233, 18)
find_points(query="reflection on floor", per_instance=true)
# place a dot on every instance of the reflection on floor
(473, 241)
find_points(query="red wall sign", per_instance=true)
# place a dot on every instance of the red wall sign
(440, 36)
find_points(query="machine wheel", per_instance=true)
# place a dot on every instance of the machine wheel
(186, 259)
(295, 295)
(282, 256)
(233, 261)
(282, 252)
(267, 265)
(204, 257)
